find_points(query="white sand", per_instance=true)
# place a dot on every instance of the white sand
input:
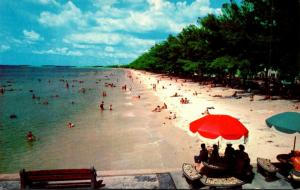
(262, 142)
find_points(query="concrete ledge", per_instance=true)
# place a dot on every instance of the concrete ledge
(107, 173)
(135, 172)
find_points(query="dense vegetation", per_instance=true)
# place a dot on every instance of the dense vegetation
(245, 40)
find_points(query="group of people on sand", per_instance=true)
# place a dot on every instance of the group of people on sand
(236, 161)
(160, 108)
(184, 101)
(101, 106)
(70, 125)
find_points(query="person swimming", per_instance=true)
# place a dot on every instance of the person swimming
(30, 136)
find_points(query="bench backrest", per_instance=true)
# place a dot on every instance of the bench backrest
(57, 175)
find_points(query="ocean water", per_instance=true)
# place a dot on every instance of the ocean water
(58, 146)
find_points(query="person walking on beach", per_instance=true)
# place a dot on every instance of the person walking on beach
(102, 106)
(110, 107)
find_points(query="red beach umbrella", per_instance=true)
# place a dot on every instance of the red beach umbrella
(214, 126)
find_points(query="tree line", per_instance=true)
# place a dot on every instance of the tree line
(246, 39)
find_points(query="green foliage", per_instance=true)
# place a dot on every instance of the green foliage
(243, 40)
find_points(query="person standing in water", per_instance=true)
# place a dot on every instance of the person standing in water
(102, 106)
(30, 136)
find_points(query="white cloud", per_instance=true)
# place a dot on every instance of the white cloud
(59, 51)
(157, 15)
(118, 55)
(109, 49)
(32, 35)
(47, 2)
(107, 39)
(4, 48)
(94, 38)
(160, 15)
(69, 13)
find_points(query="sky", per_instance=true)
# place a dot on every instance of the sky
(91, 32)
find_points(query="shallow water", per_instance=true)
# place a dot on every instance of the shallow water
(48, 122)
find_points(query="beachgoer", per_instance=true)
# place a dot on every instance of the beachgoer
(234, 94)
(70, 125)
(174, 116)
(206, 112)
(175, 95)
(164, 106)
(30, 136)
(251, 97)
(137, 97)
(157, 109)
(186, 101)
(229, 156)
(102, 106)
(103, 93)
(182, 101)
(154, 87)
(203, 155)
(67, 85)
(1, 90)
(110, 107)
(242, 160)
(33, 96)
(214, 157)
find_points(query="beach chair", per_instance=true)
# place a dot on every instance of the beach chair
(190, 172)
(222, 182)
(266, 168)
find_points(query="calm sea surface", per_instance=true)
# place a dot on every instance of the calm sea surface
(48, 122)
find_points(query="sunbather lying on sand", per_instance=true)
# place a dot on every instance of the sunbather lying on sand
(157, 109)
(175, 95)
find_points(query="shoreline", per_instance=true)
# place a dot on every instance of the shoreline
(147, 140)
(251, 113)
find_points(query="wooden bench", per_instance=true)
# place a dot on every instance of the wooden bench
(60, 178)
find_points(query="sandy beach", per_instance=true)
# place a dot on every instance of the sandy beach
(132, 137)
(262, 141)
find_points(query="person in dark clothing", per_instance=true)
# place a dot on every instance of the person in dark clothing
(203, 155)
(229, 156)
(242, 162)
(215, 157)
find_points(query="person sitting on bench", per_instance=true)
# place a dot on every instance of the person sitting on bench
(214, 157)
(203, 155)
(242, 162)
(229, 156)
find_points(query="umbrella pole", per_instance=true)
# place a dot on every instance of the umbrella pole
(294, 143)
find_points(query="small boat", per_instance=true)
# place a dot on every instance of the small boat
(190, 172)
